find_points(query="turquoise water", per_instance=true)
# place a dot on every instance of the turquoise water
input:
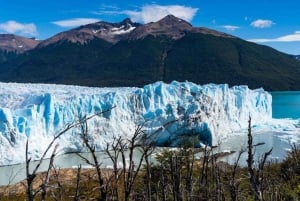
(286, 104)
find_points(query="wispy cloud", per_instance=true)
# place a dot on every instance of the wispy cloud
(109, 7)
(294, 37)
(75, 22)
(108, 10)
(153, 13)
(230, 27)
(14, 27)
(260, 23)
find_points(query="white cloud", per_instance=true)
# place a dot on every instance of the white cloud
(108, 10)
(262, 23)
(230, 27)
(14, 27)
(153, 13)
(109, 6)
(75, 22)
(295, 37)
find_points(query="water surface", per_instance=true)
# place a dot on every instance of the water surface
(286, 104)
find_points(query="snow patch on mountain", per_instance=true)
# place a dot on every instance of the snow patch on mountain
(122, 29)
(168, 113)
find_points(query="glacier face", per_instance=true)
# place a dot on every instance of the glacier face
(168, 112)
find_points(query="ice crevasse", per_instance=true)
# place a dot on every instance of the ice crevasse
(167, 112)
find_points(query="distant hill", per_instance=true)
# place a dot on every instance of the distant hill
(18, 44)
(131, 54)
(10, 45)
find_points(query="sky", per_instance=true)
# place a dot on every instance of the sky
(275, 23)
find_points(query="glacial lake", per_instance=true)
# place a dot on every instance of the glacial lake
(285, 105)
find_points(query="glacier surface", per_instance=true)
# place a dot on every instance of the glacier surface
(168, 113)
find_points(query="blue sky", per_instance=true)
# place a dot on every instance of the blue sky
(275, 23)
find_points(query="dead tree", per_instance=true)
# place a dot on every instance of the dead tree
(44, 185)
(176, 163)
(203, 177)
(77, 191)
(189, 180)
(233, 183)
(58, 193)
(130, 169)
(256, 176)
(162, 183)
(95, 163)
(31, 176)
(113, 152)
(148, 150)
(217, 190)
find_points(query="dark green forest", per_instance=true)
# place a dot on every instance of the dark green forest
(196, 57)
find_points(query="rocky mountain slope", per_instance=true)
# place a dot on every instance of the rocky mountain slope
(109, 32)
(12, 43)
(131, 54)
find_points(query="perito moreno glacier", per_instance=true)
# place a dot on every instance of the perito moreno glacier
(207, 113)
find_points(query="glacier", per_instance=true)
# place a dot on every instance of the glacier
(167, 112)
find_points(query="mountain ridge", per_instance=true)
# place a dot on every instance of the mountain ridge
(18, 44)
(170, 26)
(131, 54)
(102, 30)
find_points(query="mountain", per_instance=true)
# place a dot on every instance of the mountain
(130, 54)
(169, 113)
(12, 45)
(172, 27)
(109, 32)
(18, 44)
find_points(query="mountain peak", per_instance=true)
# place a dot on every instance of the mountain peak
(172, 27)
(172, 20)
(169, 26)
(18, 44)
(109, 32)
(126, 21)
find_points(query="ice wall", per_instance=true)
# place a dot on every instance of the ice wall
(168, 113)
